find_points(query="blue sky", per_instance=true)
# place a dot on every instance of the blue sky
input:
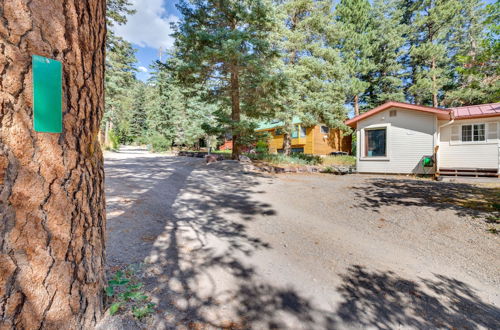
(148, 30)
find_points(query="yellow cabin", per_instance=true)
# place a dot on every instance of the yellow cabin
(313, 140)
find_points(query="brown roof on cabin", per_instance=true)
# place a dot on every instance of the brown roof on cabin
(476, 111)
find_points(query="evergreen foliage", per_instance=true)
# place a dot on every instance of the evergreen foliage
(236, 63)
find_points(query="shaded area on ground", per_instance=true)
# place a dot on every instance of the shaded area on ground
(382, 299)
(192, 224)
(464, 199)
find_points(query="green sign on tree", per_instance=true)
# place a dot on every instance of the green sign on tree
(47, 95)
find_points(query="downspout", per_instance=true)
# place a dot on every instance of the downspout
(452, 117)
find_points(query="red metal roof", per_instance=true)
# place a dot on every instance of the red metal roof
(476, 111)
(440, 113)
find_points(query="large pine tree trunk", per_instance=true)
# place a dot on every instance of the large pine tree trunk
(51, 185)
(434, 87)
(235, 111)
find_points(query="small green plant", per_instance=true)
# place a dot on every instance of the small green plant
(125, 293)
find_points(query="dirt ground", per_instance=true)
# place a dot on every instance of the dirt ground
(220, 247)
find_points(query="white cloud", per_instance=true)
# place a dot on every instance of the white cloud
(142, 69)
(149, 26)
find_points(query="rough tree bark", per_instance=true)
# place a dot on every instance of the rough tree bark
(435, 102)
(51, 185)
(356, 105)
(235, 111)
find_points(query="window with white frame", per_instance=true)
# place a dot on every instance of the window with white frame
(473, 133)
(376, 142)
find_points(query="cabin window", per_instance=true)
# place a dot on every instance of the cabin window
(376, 142)
(475, 132)
(298, 131)
(303, 131)
(325, 129)
(278, 131)
(297, 150)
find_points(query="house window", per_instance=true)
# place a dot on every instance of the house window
(297, 150)
(278, 131)
(475, 132)
(298, 131)
(375, 142)
(325, 129)
(303, 131)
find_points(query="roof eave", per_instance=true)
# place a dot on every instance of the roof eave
(484, 115)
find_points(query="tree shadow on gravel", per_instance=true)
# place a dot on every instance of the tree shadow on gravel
(386, 301)
(200, 264)
(197, 267)
(464, 199)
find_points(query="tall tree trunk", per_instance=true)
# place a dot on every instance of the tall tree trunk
(434, 87)
(235, 111)
(107, 142)
(287, 144)
(356, 105)
(51, 185)
(287, 137)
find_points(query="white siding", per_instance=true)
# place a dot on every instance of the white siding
(455, 154)
(410, 135)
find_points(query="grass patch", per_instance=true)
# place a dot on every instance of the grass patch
(339, 160)
(304, 159)
(125, 294)
(280, 159)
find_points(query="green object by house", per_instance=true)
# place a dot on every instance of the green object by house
(47, 95)
(428, 162)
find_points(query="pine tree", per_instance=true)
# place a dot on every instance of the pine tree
(120, 67)
(228, 41)
(138, 115)
(355, 43)
(386, 79)
(432, 24)
(477, 74)
(312, 68)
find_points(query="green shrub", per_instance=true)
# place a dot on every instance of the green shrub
(159, 143)
(115, 141)
(261, 147)
(299, 159)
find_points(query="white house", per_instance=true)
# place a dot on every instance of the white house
(404, 138)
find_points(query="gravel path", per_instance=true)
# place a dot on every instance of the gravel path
(222, 247)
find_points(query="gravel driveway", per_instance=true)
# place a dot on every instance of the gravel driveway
(222, 247)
